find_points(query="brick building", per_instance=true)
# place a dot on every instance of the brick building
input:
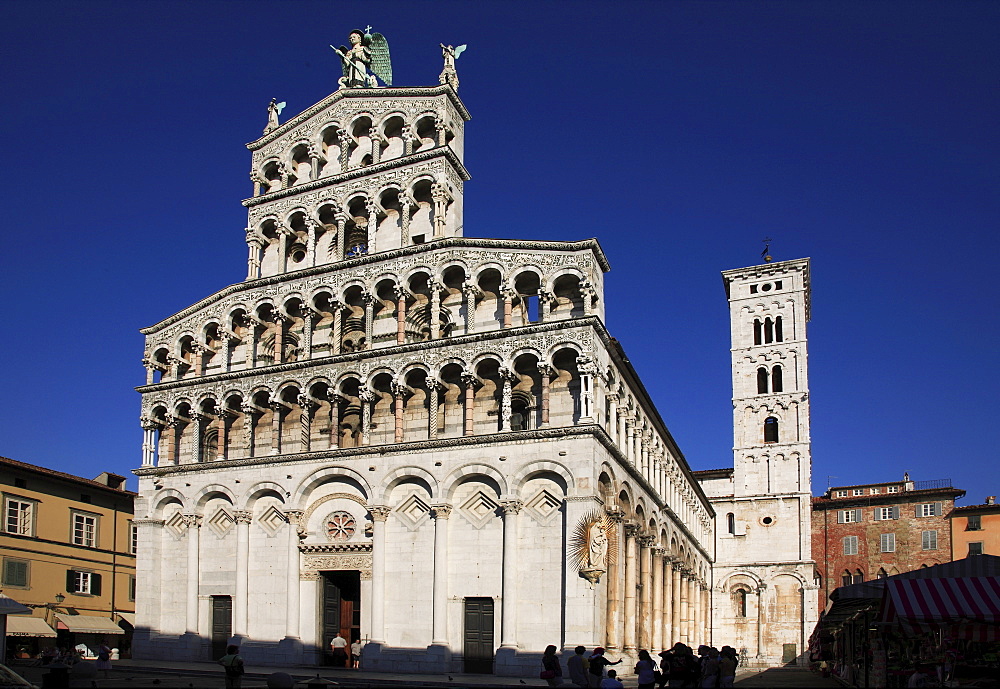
(876, 530)
(975, 529)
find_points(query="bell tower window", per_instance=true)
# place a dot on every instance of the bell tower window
(761, 380)
(776, 385)
(770, 430)
(756, 331)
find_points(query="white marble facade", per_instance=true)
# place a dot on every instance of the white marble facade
(440, 427)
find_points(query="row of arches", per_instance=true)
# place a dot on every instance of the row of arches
(339, 146)
(422, 305)
(414, 403)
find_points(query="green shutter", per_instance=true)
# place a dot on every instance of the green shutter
(95, 584)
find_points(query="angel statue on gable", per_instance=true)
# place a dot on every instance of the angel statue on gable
(367, 51)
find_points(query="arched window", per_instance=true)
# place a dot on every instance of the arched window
(731, 523)
(846, 579)
(777, 329)
(776, 383)
(761, 380)
(756, 331)
(770, 430)
(768, 330)
(740, 598)
(882, 574)
(858, 576)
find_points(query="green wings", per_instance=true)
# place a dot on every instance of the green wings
(381, 65)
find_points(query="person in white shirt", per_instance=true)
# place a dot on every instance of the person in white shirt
(339, 647)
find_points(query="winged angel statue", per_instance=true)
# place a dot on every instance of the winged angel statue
(367, 51)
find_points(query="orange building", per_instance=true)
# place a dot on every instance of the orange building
(67, 550)
(975, 529)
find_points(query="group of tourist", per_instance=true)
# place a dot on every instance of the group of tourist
(678, 667)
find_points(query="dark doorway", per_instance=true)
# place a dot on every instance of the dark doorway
(478, 636)
(222, 624)
(341, 609)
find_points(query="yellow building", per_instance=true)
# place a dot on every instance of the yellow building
(67, 547)
(975, 529)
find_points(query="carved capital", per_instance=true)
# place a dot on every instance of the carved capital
(511, 507)
(294, 517)
(441, 511)
(242, 516)
(191, 521)
(379, 512)
(632, 529)
(470, 380)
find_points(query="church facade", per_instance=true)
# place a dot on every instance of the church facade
(396, 433)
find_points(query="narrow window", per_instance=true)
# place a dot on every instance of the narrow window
(15, 573)
(18, 518)
(858, 577)
(756, 331)
(976, 548)
(741, 602)
(776, 384)
(777, 329)
(768, 330)
(761, 380)
(84, 530)
(846, 578)
(887, 543)
(928, 540)
(974, 522)
(731, 523)
(882, 574)
(850, 545)
(770, 430)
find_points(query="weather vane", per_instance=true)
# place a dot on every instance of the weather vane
(766, 253)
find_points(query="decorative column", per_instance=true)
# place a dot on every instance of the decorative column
(434, 388)
(345, 141)
(276, 408)
(376, 140)
(508, 619)
(621, 437)
(283, 233)
(254, 243)
(439, 634)
(656, 640)
(546, 372)
(675, 620)
(645, 591)
(469, 380)
(434, 288)
(588, 370)
(309, 316)
(507, 377)
(668, 600)
(612, 426)
(401, 296)
(407, 136)
(149, 427)
(196, 437)
(644, 456)
(280, 320)
(372, 209)
(340, 217)
(545, 300)
(614, 604)
(696, 635)
(248, 424)
(440, 131)
(306, 404)
(229, 342)
(636, 448)
(337, 327)
(257, 180)
(629, 439)
(631, 531)
(240, 602)
(312, 227)
(370, 300)
(470, 292)
(405, 209)
(315, 158)
(193, 524)
(198, 355)
(295, 533)
(223, 418)
(508, 295)
(398, 390)
(761, 587)
(251, 354)
(439, 194)
(336, 402)
(366, 397)
(379, 514)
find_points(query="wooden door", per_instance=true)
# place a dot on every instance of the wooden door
(477, 652)
(222, 624)
(341, 609)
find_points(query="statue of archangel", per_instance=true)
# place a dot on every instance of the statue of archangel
(367, 51)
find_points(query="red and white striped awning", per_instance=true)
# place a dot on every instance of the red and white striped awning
(961, 608)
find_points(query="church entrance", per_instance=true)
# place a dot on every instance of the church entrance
(340, 609)
(477, 652)
(222, 624)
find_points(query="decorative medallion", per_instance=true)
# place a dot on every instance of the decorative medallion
(340, 526)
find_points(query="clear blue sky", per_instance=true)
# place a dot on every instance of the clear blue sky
(861, 134)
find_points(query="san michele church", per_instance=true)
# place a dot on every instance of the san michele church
(432, 443)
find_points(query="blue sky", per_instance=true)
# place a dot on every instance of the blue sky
(861, 134)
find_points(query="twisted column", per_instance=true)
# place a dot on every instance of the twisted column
(369, 320)
(308, 318)
(405, 209)
(469, 293)
(340, 218)
(366, 397)
(507, 377)
(337, 327)
(306, 404)
(433, 400)
(196, 437)
(248, 424)
(434, 287)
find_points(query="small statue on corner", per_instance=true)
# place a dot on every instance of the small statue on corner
(367, 51)
(274, 109)
(449, 75)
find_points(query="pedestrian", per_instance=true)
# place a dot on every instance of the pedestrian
(338, 646)
(233, 664)
(644, 669)
(577, 667)
(103, 658)
(710, 668)
(551, 669)
(612, 681)
(727, 666)
(356, 654)
(596, 664)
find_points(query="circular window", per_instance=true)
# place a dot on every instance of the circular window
(297, 253)
(766, 287)
(340, 526)
(767, 521)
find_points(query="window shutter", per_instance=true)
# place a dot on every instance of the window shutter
(937, 509)
(895, 512)
(15, 573)
(857, 516)
(877, 513)
(95, 584)
(840, 516)
(916, 511)
(70, 581)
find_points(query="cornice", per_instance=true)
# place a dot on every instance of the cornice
(765, 270)
(347, 265)
(358, 172)
(351, 94)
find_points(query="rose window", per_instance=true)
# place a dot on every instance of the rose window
(340, 526)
